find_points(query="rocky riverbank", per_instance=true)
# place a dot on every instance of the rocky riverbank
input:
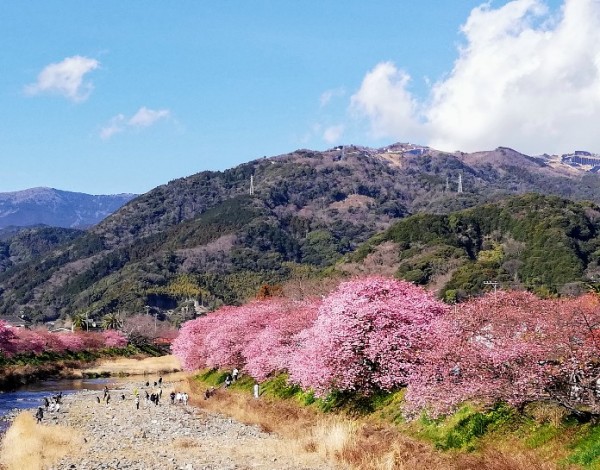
(171, 437)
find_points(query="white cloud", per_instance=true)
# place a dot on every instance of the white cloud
(65, 78)
(332, 134)
(385, 100)
(328, 95)
(144, 117)
(114, 126)
(524, 78)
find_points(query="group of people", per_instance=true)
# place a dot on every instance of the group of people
(154, 396)
(230, 378)
(50, 405)
(179, 397)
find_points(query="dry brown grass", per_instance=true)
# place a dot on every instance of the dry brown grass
(31, 446)
(362, 444)
(285, 418)
(184, 443)
(127, 366)
(546, 413)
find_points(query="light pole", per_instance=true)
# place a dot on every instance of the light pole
(492, 283)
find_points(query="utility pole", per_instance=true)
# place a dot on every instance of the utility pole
(492, 283)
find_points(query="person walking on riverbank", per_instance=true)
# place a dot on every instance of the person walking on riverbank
(137, 402)
(39, 414)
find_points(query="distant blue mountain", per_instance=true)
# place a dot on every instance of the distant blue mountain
(57, 208)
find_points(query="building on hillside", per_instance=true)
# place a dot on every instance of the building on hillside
(17, 321)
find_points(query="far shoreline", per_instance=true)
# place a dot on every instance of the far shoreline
(13, 377)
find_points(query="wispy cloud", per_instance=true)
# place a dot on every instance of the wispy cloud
(114, 126)
(328, 95)
(144, 117)
(525, 77)
(65, 78)
(333, 134)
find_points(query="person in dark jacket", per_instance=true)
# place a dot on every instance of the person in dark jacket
(39, 414)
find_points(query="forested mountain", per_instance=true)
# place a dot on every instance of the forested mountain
(541, 243)
(47, 206)
(206, 237)
(19, 245)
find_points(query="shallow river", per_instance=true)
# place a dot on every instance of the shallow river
(32, 395)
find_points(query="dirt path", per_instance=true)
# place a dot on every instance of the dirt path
(117, 436)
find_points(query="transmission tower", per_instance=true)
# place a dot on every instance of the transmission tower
(447, 184)
(460, 188)
(251, 185)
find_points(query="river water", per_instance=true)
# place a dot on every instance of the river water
(32, 395)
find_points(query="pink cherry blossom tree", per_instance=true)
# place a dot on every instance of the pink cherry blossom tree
(190, 346)
(271, 349)
(368, 335)
(257, 337)
(72, 341)
(7, 340)
(510, 347)
(29, 341)
(114, 339)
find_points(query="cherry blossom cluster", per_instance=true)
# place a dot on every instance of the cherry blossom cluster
(383, 334)
(258, 336)
(365, 335)
(511, 347)
(35, 341)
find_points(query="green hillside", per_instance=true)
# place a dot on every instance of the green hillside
(541, 243)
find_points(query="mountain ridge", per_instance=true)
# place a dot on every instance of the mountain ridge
(309, 208)
(57, 208)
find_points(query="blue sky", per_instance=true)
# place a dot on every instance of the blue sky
(112, 96)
